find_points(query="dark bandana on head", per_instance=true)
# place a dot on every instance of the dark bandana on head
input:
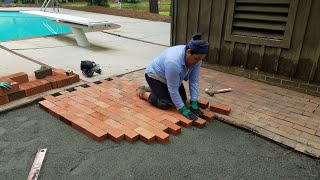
(198, 48)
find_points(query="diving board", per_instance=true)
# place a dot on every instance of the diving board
(77, 24)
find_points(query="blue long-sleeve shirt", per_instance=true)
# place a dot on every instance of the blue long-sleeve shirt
(170, 65)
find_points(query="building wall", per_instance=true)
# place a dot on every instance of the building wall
(294, 52)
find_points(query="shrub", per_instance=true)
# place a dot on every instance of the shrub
(98, 3)
(134, 1)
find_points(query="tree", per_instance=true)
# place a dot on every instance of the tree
(153, 6)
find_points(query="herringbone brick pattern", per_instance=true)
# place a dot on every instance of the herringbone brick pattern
(111, 109)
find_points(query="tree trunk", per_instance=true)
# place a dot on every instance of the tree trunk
(153, 6)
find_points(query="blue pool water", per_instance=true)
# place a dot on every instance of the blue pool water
(16, 25)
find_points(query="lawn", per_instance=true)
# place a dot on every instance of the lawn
(164, 7)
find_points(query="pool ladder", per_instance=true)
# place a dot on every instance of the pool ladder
(55, 4)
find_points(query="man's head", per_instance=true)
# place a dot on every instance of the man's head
(196, 50)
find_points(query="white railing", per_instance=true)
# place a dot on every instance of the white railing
(55, 4)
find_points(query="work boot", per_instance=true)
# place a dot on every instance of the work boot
(142, 89)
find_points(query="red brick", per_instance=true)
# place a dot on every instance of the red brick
(142, 117)
(158, 125)
(77, 99)
(90, 99)
(46, 105)
(75, 78)
(113, 124)
(81, 125)
(82, 115)
(90, 119)
(203, 103)
(220, 108)
(129, 124)
(47, 84)
(101, 104)
(209, 116)
(199, 123)
(304, 129)
(61, 81)
(96, 133)
(38, 87)
(32, 77)
(59, 72)
(54, 111)
(33, 87)
(152, 109)
(73, 110)
(183, 120)
(99, 116)
(170, 118)
(146, 136)
(20, 77)
(314, 144)
(4, 99)
(14, 88)
(173, 128)
(53, 81)
(24, 86)
(113, 134)
(308, 150)
(88, 104)
(68, 118)
(161, 137)
(61, 104)
(130, 135)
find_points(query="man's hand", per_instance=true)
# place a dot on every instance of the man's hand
(188, 114)
(5, 85)
(195, 109)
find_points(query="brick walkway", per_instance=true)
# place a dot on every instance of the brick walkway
(282, 115)
(111, 109)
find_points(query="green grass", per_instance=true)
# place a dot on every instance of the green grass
(135, 6)
(76, 4)
(138, 6)
(165, 3)
(166, 13)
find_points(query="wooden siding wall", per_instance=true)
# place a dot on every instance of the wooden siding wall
(300, 61)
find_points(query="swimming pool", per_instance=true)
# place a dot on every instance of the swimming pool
(16, 25)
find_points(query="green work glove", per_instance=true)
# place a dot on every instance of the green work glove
(195, 109)
(188, 114)
(5, 85)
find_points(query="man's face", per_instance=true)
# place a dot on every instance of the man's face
(192, 59)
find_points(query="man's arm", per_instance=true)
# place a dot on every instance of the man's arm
(173, 79)
(194, 82)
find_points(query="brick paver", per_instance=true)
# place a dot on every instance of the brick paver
(282, 115)
(111, 109)
(23, 85)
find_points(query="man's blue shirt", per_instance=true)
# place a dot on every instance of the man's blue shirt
(170, 65)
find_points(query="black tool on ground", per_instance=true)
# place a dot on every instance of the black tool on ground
(89, 67)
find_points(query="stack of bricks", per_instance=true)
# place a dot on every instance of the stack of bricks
(24, 85)
(110, 109)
